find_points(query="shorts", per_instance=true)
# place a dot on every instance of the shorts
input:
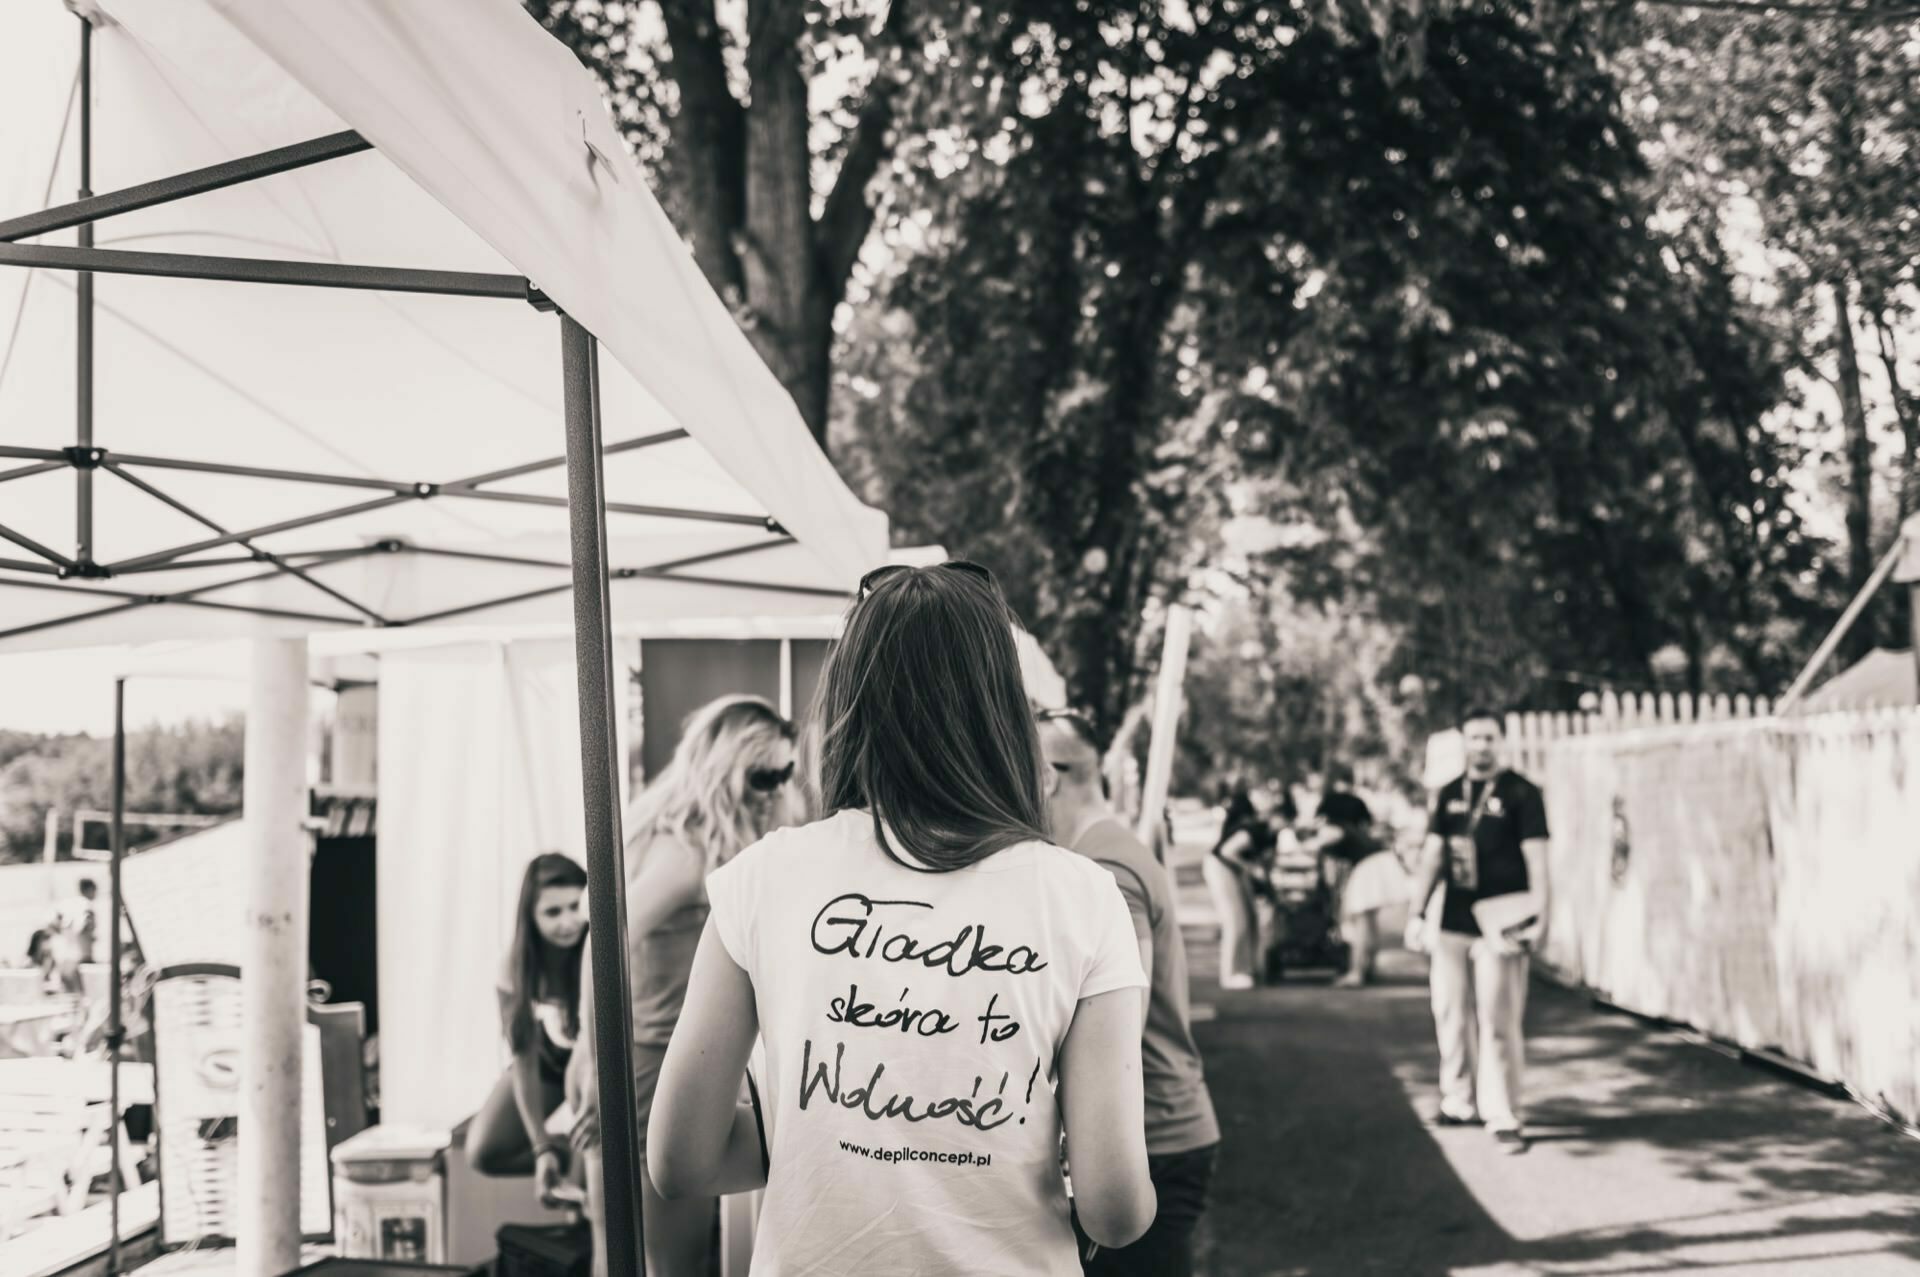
(1375, 883)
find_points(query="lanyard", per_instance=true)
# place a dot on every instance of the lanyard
(1480, 805)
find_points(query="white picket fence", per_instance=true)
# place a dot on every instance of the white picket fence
(1756, 877)
(1529, 735)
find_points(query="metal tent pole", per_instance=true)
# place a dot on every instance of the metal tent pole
(83, 398)
(600, 771)
(116, 1031)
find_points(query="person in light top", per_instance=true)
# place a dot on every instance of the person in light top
(940, 990)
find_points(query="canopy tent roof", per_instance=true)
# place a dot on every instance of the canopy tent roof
(426, 428)
(1883, 677)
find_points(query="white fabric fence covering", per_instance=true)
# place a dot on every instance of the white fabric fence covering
(479, 772)
(1759, 880)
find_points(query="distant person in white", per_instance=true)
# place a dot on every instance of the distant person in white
(1486, 838)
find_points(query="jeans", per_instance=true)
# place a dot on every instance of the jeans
(1479, 1005)
(1166, 1250)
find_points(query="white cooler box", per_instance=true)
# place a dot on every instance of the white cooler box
(390, 1195)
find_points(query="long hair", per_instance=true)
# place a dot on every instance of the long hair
(1239, 815)
(698, 796)
(534, 965)
(925, 721)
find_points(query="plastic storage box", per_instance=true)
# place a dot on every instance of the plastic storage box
(390, 1195)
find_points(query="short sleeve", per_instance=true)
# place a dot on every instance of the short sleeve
(1134, 892)
(1533, 813)
(1115, 963)
(731, 892)
(1437, 810)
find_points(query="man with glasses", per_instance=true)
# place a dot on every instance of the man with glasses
(1182, 1133)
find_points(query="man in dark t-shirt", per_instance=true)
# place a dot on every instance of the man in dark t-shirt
(1486, 842)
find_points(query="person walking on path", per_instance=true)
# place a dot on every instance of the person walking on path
(1182, 1133)
(1486, 838)
(1247, 841)
(1342, 833)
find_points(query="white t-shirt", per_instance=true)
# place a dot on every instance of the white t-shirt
(911, 1023)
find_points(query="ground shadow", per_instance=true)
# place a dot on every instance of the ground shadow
(1328, 1167)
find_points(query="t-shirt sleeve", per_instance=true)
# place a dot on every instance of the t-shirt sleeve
(1437, 811)
(1116, 954)
(1533, 814)
(730, 903)
(1134, 892)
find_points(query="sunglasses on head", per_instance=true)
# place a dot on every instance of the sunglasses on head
(764, 780)
(1081, 725)
(879, 575)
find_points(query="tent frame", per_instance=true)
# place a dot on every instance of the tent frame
(588, 566)
(85, 458)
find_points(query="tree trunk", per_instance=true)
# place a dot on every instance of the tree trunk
(744, 174)
(1859, 458)
(709, 140)
(1908, 411)
(790, 320)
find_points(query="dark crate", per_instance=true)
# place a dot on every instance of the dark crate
(550, 1250)
(379, 1268)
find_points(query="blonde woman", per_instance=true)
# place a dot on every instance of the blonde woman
(731, 782)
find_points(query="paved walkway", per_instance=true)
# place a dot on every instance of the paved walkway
(1652, 1154)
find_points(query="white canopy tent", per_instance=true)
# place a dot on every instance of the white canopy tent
(291, 374)
(262, 409)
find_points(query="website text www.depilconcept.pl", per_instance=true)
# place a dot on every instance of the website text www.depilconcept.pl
(895, 1156)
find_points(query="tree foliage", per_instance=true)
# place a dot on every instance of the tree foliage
(1810, 129)
(186, 769)
(1456, 301)
(1420, 319)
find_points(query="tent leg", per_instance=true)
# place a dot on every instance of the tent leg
(83, 343)
(600, 773)
(273, 979)
(115, 1030)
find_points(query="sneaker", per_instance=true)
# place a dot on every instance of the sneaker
(1237, 982)
(1510, 1141)
(1351, 982)
(1454, 1119)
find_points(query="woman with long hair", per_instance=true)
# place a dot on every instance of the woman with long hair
(939, 989)
(1247, 839)
(539, 992)
(730, 783)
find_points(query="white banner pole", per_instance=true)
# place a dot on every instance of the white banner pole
(1166, 721)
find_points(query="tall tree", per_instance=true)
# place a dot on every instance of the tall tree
(1810, 122)
(766, 179)
(1423, 312)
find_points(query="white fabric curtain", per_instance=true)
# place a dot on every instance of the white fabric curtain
(479, 762)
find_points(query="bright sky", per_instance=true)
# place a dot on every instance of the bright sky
(73, 692)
